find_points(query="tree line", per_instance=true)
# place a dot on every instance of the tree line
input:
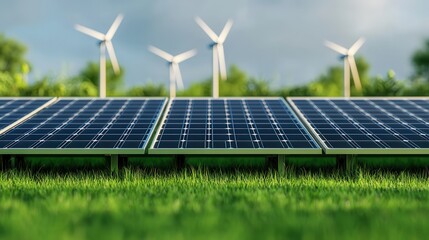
(14, 69)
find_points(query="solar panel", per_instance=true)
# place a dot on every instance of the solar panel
(232, 126)
(13, 109)
(90, 126)
(367, 125)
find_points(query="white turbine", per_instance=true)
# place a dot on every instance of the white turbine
(105, 42)
(173, 62)
(349, 63)
(218, 52)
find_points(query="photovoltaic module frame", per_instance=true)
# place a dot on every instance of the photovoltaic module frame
(231, 126)
(86, 126)
(367, 125)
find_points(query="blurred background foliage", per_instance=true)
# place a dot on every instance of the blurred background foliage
(14, 69)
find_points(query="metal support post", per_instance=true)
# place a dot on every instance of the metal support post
(179, 162)
(281, 164)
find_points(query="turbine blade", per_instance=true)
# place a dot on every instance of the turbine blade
(225, 31)
(184, 56)
(178, 75)
(336, 47)
(355, 47)
(161, 53)
(89, 32)
(112, 56)
(114, 27)
(206, 29)
(222, 64)
(355, 73)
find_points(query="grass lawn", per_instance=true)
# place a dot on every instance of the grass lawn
(220, 204)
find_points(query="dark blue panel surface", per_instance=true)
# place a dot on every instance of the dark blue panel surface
(232, 124)
(12, 110)
(88, 124)
(368, 123)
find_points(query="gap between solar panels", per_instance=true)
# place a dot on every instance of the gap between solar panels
(347, 127)
(232, 126)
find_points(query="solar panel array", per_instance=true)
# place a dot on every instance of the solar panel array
(14, 109)
(368, 125)
(88, 124)
(225, 125)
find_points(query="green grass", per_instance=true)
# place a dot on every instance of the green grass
(219, 204)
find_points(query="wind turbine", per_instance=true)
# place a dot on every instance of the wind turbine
(349, 63)
(218, 52)
(105, 42)
(173, 62)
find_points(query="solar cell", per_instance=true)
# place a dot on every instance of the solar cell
(90, 126)
(367, 125)
(13, 109)
(232, 126)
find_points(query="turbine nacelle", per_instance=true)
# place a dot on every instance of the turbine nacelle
(341, 57)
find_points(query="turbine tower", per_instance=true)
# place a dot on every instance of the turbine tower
(105, 42)
(173, 62)
(218, 52)
(349, 63)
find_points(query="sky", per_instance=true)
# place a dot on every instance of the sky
(280, 41)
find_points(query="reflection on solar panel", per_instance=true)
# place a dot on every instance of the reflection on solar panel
(75, 124)
(232, 125)
(368, 126)
(13, 109)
